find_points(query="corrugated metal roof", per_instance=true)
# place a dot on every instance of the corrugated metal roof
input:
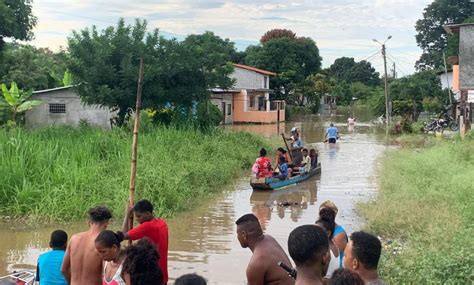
(251, 68)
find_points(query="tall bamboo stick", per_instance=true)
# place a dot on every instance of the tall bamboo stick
(136, 126)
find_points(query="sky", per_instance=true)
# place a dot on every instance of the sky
(339, 27)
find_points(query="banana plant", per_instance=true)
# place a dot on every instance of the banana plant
(17, 100)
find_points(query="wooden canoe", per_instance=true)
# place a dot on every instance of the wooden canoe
(271, 183)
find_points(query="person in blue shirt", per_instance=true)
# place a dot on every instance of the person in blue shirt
(48, 270)
(332, 134)
(283, 169)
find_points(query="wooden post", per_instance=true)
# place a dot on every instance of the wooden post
(278, 116)
(287, 148)
(136, 126)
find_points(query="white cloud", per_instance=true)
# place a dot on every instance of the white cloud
(340, 27)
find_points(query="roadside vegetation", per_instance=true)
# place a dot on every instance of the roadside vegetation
(424, 213)
(56, 174)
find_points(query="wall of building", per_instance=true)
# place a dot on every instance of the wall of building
(246, 79)
(446, 80)
(455, 78)
(219, 100)
(243, 116)
(466, 57)
(76, 111)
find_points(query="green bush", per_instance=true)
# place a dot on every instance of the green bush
(425, 206)
(58, 173)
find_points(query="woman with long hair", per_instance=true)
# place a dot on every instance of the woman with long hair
(107, 244)
(340, 235)
(327, 223)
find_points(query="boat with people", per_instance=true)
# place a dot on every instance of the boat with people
(273, 183)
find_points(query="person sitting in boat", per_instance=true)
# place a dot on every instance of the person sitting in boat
(305, 165)
(48, 270)
(283, 170)
(313, 154)
(282, 152)
(264, 165)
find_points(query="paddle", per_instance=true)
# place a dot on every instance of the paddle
(287, 148)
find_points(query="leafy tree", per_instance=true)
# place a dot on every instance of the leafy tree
(432, 37)
(17, 100)
(32, 68)
(416, 88)
(16, 20)
(277, 34)
(106, 65)
(292, 60)
(347, 69)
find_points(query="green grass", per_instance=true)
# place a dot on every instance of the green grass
(426, 207)
(57, 174)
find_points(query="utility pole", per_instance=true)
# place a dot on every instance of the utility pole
(387, 101)
(387, 104)
(447, 80)
(394, 72)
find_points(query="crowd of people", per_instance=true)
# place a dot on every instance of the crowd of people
(322, 253)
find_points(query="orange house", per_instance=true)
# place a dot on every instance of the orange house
(249, 99)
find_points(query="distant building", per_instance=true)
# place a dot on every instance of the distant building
(62, 106)
(249, 100)
(328, 104)
(463, 70)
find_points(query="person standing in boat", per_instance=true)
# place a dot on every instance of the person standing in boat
(296, 146)
(264, 165)
(332, 134)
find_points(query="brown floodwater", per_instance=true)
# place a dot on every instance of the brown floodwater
(203, 239)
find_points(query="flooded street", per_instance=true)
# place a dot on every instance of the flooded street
(203, 240)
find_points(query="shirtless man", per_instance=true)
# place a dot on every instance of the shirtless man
(263, 266)
(82, 263)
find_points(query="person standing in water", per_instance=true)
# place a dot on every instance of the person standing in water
(350, 124)
(332, 134)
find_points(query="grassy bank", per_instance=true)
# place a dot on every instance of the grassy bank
(57, 174)
(426, 209)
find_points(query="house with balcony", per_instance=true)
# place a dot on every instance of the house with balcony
(249, 100)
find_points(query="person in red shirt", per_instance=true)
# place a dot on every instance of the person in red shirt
(264, 165)
(150, 227)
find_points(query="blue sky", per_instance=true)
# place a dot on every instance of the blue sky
(339, 27)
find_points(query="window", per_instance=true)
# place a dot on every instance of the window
(229, 109)
(265, 82)
(57, 108)
(251, 101)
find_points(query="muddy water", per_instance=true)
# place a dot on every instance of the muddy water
(203, 239)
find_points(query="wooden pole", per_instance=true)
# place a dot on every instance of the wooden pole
(287, 148)
(136, 126)
(278, 116)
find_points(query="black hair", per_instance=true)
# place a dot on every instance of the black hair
(281, 159)
(190, 279)
(307, 244)
(305, 149)
(100, 214)
(342, 276)
(246, 218)
(331, 125)
(141, 262)
(109, 238)
(366, 248)
(250, 223)
(143, 206)
(327, 219)
(263, 152)
(58, 239)
(280, 149)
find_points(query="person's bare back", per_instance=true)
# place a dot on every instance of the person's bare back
(263, 265)
(85, 261)
(82, 264)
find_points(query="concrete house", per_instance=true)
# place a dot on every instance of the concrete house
(62, 106)
(463, 70)
(249, 100)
